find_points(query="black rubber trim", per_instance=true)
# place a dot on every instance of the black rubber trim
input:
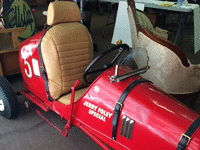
(42, 67)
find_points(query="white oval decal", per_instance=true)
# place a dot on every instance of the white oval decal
(1, 105)
(96, 89)
(29, 69)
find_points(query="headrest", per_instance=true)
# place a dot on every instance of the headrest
(63, 12)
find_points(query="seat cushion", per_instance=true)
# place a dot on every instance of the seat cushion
(67, 49)
(66, 99)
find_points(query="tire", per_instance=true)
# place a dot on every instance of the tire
(9, 106)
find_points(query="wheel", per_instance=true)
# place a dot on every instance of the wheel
(27, 104)
(9, 106)
(105, 66)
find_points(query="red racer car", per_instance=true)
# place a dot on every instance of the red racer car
(119, 109)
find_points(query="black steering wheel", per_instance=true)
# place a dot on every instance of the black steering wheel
(87, 71)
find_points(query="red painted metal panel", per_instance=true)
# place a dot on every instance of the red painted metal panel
(34, 99)
(29, 61)
(159, 119)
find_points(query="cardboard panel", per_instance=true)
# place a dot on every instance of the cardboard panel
(10, 63)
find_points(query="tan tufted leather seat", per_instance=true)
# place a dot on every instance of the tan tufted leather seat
(66, 48)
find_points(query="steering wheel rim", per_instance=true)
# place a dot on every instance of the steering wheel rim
(86, 72)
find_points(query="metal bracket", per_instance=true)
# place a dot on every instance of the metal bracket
(66, 127)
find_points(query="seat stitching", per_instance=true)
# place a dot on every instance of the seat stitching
(72, 68)
(58, 56)
(73, 50)
(73, 62)
(75, 55)
(80, 72)
(79, 43)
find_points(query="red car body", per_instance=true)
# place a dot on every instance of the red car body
(158, 120)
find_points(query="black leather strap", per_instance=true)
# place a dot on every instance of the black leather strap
(119, 103)
(186, 137)
(42, 67)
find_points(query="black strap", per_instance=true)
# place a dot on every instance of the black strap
(185, 138)
(119, 103)
(42, 67)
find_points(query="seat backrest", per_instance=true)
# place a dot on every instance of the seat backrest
(166, 68)
(169, 67)
(136, 28)
(145, 20)
(165, 43)
(66, 48)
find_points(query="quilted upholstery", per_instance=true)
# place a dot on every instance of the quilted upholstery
(66, 99)
(67, 49)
